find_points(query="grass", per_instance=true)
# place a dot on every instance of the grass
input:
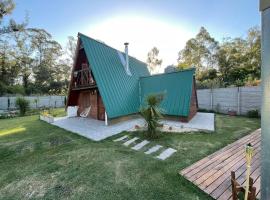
(40, 161)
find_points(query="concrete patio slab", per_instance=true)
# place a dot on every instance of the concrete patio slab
(166, 153)
(201, 121)
(94, 129)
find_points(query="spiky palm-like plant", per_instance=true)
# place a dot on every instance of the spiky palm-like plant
(152, 113)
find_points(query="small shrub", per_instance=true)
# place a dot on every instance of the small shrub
(253, 114)
(152, 114)
(23, 105)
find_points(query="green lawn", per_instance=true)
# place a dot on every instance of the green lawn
(40, 161)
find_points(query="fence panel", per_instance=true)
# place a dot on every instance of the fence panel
(241, 100)
(35, 102)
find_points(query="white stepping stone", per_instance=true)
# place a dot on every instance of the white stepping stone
(153, 149)
(121, 138)
(130, 141)
(166, 153)
(140, 145)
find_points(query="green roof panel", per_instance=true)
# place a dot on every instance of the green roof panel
(119, 91)
(177, 87)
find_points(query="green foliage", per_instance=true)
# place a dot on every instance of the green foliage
(235, 62)
(32, 56)
(253, 114)
(23, 105)
(152, 114)
(199, 52)
(6, 7)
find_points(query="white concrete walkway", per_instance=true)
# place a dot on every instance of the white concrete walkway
(201, 121)
(94, 129)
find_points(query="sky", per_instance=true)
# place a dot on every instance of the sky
(143, 23)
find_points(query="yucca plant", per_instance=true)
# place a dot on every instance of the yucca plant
(152, 113)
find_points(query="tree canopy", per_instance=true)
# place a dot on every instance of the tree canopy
(233, 62)
(31, 60)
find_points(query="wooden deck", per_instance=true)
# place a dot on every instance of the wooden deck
(212, 174)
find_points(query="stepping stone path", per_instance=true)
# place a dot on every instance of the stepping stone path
(153, 149)
(140, 145)
(121, 138)
(162, 156)
(166, 153)
(130, 141)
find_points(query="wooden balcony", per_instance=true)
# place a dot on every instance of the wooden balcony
(82, 79)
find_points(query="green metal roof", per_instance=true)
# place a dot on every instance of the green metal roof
(177, 87)
(119, 91)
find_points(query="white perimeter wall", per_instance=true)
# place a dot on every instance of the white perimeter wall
(42, 101)
(240, 99)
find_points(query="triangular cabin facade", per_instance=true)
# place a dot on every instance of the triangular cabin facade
(108, 84)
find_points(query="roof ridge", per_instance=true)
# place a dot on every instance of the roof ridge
(182, 70)
(103, 43)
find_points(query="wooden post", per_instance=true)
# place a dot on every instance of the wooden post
(211, 99)
(238, 101)
(265, 109)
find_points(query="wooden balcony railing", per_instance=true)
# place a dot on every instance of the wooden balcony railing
(83, 79)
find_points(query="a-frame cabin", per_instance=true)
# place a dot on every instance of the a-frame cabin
(107, 84)
(83, 90)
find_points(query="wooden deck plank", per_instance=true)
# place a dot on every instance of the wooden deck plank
(223, 154)
(225, 176)
(212, 174)
(219, 168)
(217, 153)
(225, 190)
(217, 178)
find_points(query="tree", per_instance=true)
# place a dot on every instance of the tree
(71, 48)
(169, 69)
(152, 60)
(239, 58)
(47, 53)
(199, 52)
(22, 54)
(6, 7)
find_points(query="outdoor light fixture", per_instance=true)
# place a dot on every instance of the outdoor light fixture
(75, 74)
(249, 154)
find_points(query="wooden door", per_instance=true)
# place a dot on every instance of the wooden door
(84, 101)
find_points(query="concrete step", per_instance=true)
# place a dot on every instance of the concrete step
(166, 153)
(130, 141)
(140, 145)
(121, 138)
(153, 149)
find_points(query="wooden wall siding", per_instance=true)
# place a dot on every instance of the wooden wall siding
(101, 108)
(92, 98)
(84, 101)
(193, 105)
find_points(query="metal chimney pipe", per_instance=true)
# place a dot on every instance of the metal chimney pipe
(127, 60)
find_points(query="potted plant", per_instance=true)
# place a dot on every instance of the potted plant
(45, 116)
(232, 112)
